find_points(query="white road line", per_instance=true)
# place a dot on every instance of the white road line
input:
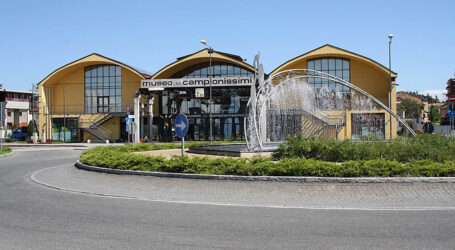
(33, 179)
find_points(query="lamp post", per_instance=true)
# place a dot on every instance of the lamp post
(33, 113)
(210, 51)
(390, 81)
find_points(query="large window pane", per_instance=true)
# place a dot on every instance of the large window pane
(317, 65)
(331, 64)
(220, 69)
(230, 70)
(216, 70)
(99, 71)
(223, 70)
(102, 80)
(338, 64)
(311, 64)
(204, 72)
(325, 64)
(346, 64)
(338, 67)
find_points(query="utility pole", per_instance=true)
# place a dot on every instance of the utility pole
(1, 123)
(390, 82)
(34, 134)
(210, 51)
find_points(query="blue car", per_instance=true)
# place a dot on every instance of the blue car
(20, 133)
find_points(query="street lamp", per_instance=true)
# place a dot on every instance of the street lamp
(390, 82)
(35, 129)
(210, 51)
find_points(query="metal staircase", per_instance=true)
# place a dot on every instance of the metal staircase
(308, 124)
(99, 122)
(331, 123)
(94, 126)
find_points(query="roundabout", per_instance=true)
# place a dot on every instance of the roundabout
(47, 203)
(251, 191)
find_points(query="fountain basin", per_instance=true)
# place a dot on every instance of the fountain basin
(234, 150)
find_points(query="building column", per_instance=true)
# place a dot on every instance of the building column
(137, 117)
(151, 102)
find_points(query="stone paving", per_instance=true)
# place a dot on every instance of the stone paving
(169, 153)
(258, 193)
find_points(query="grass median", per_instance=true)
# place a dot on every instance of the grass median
(5, 150)
(121, 157)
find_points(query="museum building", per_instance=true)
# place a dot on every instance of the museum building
(91, 97)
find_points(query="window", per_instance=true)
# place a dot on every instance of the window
(366, 125)
(338, 67)
(228, 109)
(20, 113)
(103, 89)
(220, 69)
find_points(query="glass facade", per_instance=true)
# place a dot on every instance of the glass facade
(338, 67)
(366, 125)
(228, 109)
(103, 89)
(65, 129)
(220, 69)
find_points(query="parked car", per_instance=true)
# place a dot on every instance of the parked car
(20, 133)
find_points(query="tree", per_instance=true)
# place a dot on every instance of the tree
(435, 114)
(410, 107)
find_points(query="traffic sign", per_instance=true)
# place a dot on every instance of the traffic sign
(128, 120)
(181, 125)
(452, 98)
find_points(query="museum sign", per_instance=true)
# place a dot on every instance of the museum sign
(196, 82)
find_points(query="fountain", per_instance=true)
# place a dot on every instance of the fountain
(290, 103)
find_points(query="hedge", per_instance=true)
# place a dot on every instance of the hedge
(120, 157)
(5, 150)
(423, 147)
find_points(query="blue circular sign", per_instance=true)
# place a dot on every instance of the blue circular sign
(181, 125)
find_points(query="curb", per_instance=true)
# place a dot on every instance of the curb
(7, 154)
(12, 145)
(305, 179)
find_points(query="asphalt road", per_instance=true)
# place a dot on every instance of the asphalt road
(36, 217)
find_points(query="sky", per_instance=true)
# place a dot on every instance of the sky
(37, 37)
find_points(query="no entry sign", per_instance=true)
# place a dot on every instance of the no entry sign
(452, 98)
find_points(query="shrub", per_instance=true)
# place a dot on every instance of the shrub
(424, 147)
(120, 157)
(5, 150)
(11, 139)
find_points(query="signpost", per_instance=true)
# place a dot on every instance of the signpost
(130, 128)
(2, 121)
(181, 128)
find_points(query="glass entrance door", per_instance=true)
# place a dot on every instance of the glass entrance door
(103, 104)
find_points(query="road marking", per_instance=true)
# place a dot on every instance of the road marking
(35, 180)
(181, 125)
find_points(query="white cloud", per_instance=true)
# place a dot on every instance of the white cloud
(440, 93)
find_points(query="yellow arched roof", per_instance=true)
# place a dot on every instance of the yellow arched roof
(91, 59)
(199, 57)
(329, 51)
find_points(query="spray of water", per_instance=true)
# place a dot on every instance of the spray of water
(295, 107)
